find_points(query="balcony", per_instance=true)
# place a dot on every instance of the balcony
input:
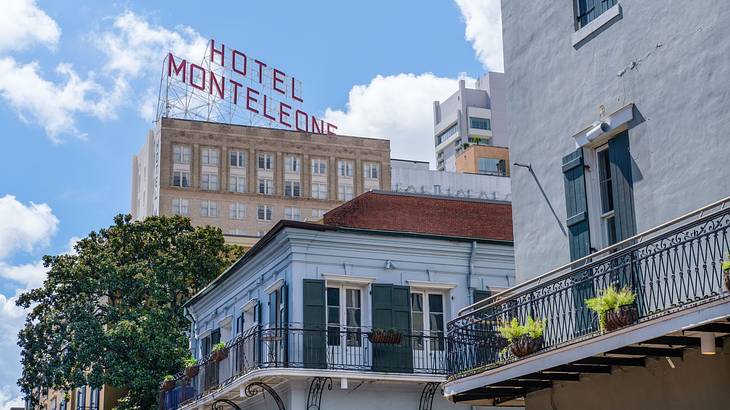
(675, 271)
(295, 350)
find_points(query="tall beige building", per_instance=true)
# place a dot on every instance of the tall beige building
(245, 179)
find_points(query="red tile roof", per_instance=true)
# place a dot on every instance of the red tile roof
(426, 214)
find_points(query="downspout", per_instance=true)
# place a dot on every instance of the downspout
(469, 287)
(188, 315)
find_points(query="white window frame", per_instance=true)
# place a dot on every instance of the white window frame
(319, 193)
(343, 288)
(240, 161)
(293, 213)
(289, 184)
(237, 183)
(209, 181)
(345, 168)
(343, 194)
(369, 167)
(268, 212)
(426, 312)
(319, 166)
(268, 160)
(181, 154)
(237, 211)
(181, 174)
(209, 156)
(211, 208)
(182, 205)
(292, 164)
(268, 186)
(596, 217)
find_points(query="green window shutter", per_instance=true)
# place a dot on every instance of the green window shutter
(273, 309)
(579, 240)
(576, 205)
(622, 186)
(392, 310)
(480, 295)
(314, 317)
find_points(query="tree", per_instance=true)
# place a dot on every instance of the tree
(112, 312)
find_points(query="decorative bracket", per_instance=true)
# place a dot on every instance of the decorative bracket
(216, 404)
(255, 388)
(427, 395)
(314, 398)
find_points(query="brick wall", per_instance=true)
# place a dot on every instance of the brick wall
(425, 214)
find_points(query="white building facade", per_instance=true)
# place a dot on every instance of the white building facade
(310, 307)
(470, 116)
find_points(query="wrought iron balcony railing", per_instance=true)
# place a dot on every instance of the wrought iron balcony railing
(295, 346)
(670, 268)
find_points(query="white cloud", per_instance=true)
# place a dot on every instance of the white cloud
(134, 48)
(483, 20)
(397, 107)
(54, 105)
(23, 24)
(23, 227)
(9, 398)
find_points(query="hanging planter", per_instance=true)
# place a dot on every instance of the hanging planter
(524, 339)
(388, 337)
(220, 352)
(191, 367)
(615, 308)
(621, 317)
(168, 383)
(525, 345)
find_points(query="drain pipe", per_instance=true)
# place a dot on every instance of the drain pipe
(469, 286)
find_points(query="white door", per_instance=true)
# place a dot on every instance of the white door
(428, 342)
(344, 328)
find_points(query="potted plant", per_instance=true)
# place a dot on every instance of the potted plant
(220, 352)
(523, 339)
(191, 368)
(726, 272)
(615, 308)
(168, 382)
(382, 336)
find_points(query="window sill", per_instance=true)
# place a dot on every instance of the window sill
(599, 23)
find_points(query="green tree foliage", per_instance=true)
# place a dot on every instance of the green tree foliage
(111, 313)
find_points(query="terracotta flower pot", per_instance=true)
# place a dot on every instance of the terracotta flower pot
(621, 317)
(525, 345)
(168, 385)
(388, 338)
(220, 355)
(191, 371)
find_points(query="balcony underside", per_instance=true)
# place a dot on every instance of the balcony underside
(664, 337)
(233, 390)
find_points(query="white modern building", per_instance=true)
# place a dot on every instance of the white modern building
(470, 116)
(416, 177)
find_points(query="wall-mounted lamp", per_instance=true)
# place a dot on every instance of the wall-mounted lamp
(707, 343)
(389, 264)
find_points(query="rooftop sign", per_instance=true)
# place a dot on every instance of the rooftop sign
(232, 87)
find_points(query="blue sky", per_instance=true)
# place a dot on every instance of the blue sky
(76, 77)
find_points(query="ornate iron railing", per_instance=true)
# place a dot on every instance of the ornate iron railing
(296, 346)
(671, 267)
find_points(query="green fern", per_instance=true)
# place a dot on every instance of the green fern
(513, 329)
(610, 299)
